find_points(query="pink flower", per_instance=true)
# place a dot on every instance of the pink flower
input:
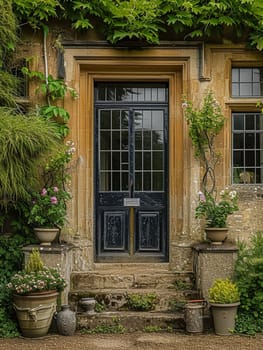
(54, 200)
(201, 197)
(55, 189)
(43, 192)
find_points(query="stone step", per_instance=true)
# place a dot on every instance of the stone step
(113, 299)
(113, 322)
(129, 279)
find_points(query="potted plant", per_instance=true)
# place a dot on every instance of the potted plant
(216, 213)
(48, 207)
(205, 124)
(224, 299)
(35, 290)
(48, 213)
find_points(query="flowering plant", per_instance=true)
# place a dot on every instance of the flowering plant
(36, 281)
(49, 207)
(216, 212)
(36, 277)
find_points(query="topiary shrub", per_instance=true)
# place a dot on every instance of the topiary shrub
(224, 291)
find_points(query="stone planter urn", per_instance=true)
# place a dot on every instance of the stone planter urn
(216, 235)
(35, 312)
(46, 235)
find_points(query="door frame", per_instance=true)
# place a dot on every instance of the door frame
(94, 64)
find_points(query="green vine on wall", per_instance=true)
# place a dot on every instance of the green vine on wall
(53, 90)
(205, 123)
(147, 19)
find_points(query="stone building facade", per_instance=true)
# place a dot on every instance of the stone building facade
(133, 204)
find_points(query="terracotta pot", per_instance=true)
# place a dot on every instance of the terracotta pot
(46, 235)
(35, 312)
(216, 235)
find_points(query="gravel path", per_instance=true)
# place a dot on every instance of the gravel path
(136, 341)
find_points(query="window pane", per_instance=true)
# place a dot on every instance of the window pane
(147, 181)
(245, 74)
(136, 92)
(105, 140)
(249, 158)
(105, 181)
(138, 181)
(245, 89)
(238, 158)
(157, 120)
(105, 160)
(116, 140)
(138, 160)
(250, 122)
(246, 82)
(124, 140)
(157, 181)
(105, 120)
(110, 94)
(125, 181)
(238, 122)
(116, 181)
(147, 165)
(235, 75)
(115, 119)
(147, 139)
(138, 140)
(157, 140)
(235, 89)
(250, 140)
(157, 161)
(115, 160)
(124, 119)
(238, 141)
(147, 120)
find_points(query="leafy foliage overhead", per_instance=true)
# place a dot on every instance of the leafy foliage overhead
(146, 19)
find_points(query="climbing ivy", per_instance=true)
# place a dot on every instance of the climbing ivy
(147, 19)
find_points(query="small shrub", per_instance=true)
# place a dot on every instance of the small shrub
(249, 278)
(223, 291)
(142, 302)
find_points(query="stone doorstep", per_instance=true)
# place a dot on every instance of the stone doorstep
(137, 321)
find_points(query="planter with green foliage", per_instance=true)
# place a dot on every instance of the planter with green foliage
(224, 299)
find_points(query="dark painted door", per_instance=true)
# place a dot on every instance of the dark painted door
(131, 171)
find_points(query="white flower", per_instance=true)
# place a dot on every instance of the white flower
(232, 194)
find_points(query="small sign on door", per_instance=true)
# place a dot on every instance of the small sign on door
(131, 202)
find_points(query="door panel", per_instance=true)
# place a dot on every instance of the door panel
(131, 172)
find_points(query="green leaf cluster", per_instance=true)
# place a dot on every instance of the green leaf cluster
(53, 90)
(24, 141)
(142, 302)
(249, 277)
(223, 291)
(11, 258)
(147, 19)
